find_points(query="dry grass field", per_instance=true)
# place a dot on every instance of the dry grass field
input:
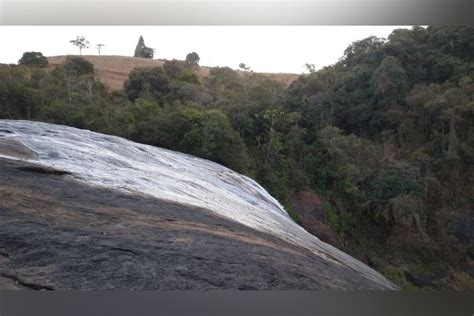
(114, 70)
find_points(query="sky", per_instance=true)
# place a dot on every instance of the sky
(264, 48)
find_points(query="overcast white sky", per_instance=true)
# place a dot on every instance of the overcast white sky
(263, 48)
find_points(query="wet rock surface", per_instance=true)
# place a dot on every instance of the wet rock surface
(58, 233)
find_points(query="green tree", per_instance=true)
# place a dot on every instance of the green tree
(81, 42)
(180, 71)
(33, 59)
(78, 65)
(17, 101)
(212, 137)
(193, 59)
(141, 50)
(244, 67)
(390, 82)
(72, 74)
(146, 82)
(363, 51)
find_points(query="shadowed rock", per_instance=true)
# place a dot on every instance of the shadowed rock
(57, 233)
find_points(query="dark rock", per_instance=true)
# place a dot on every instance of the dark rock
(58, 233)
(43, 170)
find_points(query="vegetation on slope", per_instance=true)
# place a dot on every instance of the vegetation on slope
(382, 142)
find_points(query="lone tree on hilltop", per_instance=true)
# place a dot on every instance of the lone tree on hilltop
(140, 47)
(142, 51)
(99, 47)
(192, 59)
(244, 67)
(33, 59)
(81, 42)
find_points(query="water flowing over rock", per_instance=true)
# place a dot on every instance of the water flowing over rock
(83, 159)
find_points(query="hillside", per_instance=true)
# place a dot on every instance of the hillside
(114, 70)
(83, 210)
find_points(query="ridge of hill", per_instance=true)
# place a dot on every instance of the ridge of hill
(114, 70)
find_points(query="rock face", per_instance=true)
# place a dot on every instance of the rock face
(81, 210)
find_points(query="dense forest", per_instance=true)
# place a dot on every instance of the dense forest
(374, 154)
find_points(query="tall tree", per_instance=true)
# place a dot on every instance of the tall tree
(81, 42)
(140, 47)
(99, 47)
(142, 50)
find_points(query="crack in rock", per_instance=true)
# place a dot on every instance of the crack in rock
(33, 286)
